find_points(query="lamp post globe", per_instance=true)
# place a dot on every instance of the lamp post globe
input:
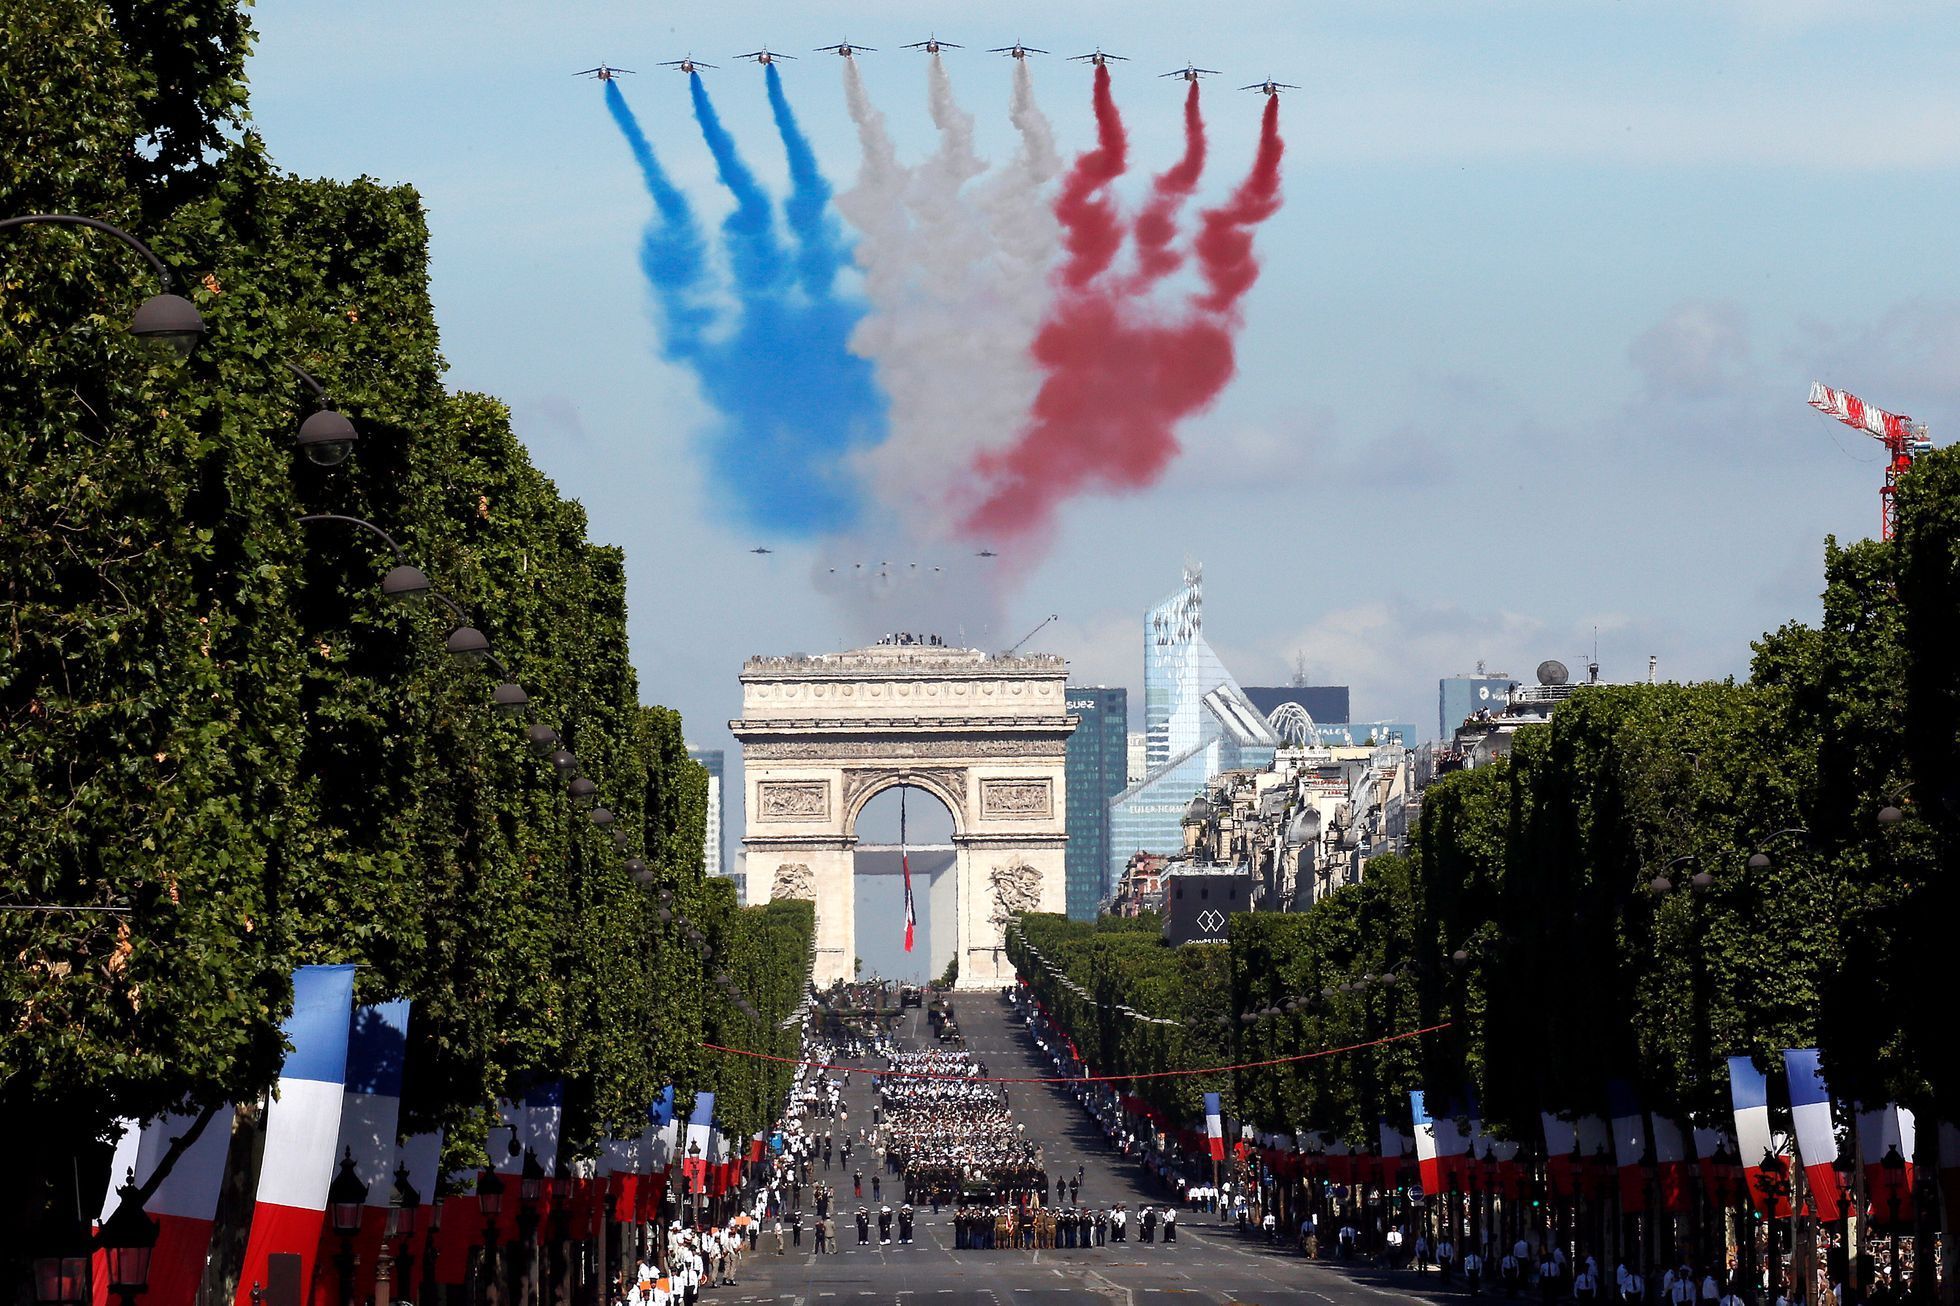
(169, 320)
(326, 438)
(405, 581)
(509, 698)
(467, 643)
(542, 739)
(600, 816)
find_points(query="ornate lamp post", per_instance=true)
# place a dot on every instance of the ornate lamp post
(127, 1241)
(530, 1187)
(490, 1204)
(402, 1205)
(345, 1197)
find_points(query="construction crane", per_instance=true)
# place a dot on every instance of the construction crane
(1903, 438)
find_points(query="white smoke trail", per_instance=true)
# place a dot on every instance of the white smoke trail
(950, 338)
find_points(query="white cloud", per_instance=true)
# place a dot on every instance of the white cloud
(1701, 349)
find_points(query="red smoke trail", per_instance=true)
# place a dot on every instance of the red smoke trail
(1091, 229)
(1157, 224)
(1225, 234)
(1119, 377)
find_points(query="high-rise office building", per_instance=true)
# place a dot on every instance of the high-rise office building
(1097, 769)
(1135, 768)
(712, 861)
(1197, 723)
(1458, 698)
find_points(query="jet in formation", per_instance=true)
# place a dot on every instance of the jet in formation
(764, 56)
(689, 65)
(1270, 87)
(933, 45)
(760, 549)
(1017, 51)
(604, 72)
(1097, 57)
(1191, 73)
(986, 553)
(845, 49)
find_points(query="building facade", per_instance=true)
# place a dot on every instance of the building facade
(1326, 704)
(1458, 698)
(1098, 770)
(713, 862)
(1197, 723)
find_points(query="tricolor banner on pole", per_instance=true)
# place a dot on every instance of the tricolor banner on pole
(1810, 1113)
(1561, 1141)
(544, 1112)
(1749, 1094)
(1629, 1127)
(700, 1131)
(1214, 1127)
(370, 1110)
(301, 1127)
(1887, 1137)
(184, 1205)
(1671, 1165)
(1429, 1155)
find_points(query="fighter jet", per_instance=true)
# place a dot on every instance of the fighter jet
(689, 65)
(604, 72)
(846, 49)
(760, 549)
(933, 45)
(986, 553)
(1270, 87)
(1017, 51)
(764, 56)
(1097, 58)
(1191, 73)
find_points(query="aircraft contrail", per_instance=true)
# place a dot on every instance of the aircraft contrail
(1120, 373)
(820, 249)
(777, 461)
(1156, 226)
(958, 280)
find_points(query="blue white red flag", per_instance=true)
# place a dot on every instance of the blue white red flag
(1214, 1127)
(301, 1127)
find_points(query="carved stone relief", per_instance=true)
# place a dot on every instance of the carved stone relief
(1016, 888)
(793, 880)
(793, 800)
(1016, 799)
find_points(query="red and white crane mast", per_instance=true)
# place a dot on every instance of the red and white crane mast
(1903, 438)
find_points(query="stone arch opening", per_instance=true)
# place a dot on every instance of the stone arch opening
(878, 882)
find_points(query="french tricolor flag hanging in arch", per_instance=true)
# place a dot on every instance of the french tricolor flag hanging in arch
(1214, 1127)
(1810, 1112)
(301, 1127)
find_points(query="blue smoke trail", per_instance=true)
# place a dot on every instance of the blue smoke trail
(753, 254)
(795, 400)
(821, 251)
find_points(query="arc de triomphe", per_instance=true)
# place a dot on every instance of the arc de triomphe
(822, 735)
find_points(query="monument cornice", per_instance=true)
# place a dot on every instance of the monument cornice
(992, 726)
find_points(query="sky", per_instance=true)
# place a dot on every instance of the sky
(1525, 366)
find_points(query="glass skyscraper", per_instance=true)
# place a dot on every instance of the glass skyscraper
(1197, 724)
(1097, 769)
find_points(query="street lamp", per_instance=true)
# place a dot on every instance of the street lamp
(345, 1196)
(61, 1275)
(490, 1204)
(127, 1240)
(509, 698)
(402, 1205)
(166, 318)
(1661, 885)
(325, 437)
(530, 1186)
(542, 739)
(583, 790)
(637, 868)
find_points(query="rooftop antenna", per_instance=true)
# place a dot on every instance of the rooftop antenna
(1592, 667)
(1053, 616)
